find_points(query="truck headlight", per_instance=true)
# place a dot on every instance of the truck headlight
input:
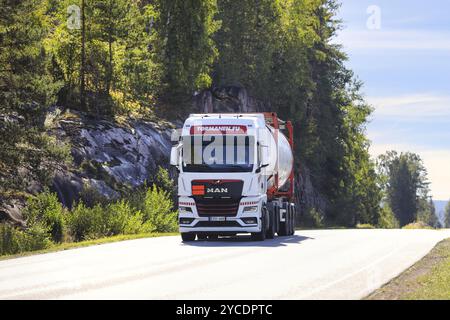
(250, 220)
(186, 220)
(251, 209)
(184, 209)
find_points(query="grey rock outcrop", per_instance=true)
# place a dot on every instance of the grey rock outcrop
(109, 156)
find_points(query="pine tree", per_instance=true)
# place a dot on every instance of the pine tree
(286, 59)
(248, 41)
(447, 215)
(109, 61)
(24, 79)
(26, 90)
(433, 220)
(187, 49)
(139, 70)
(405, 184)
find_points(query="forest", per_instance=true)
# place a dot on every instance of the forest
(148, 58)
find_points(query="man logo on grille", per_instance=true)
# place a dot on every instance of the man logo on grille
(217, 190)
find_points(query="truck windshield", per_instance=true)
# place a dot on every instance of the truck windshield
(218, 153)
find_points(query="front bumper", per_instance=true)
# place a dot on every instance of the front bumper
(217, 229)
(235, 224)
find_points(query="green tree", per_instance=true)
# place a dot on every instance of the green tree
(113, 62)
(67, 45)
(447, 215)
(427, 213)
(405, 183)
(187, 49)
(247, 42)
(286, 59)
(25, 82)
(26, 89)
(139, 70)
(387, 218)
(157, 210)
(46, 211)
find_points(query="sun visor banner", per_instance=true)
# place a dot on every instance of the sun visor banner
(218, 129)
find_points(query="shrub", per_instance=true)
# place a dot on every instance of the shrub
(417, 225)
(91, 196)
(116, 216)
(121, 218)
(157, 209)
(14, 240)
(86, 223)
(164, 182)
(150, 211)
(36, 238)
(46, 211)
(312, 218)
(387, 218)
(8, 239)
(364, 226)
(102, 221)
(136, 225)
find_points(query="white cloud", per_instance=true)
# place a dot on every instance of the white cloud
(386, 39)
(417, 106)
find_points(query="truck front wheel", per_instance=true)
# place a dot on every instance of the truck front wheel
(188, 236)
(261, 236)
(270, 233)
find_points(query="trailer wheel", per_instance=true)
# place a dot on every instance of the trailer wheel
(270, 233)
(188, 236)
(261, 236)
(284, 225)
(292, 210)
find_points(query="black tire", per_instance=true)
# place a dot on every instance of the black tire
(274, 209)
(202, 237)
(270, 233)
(292, 207)
(260, 236)
(284, 225)
(188, 236)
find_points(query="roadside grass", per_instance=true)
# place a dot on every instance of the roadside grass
(417, 225)
(428, 279)
(87, 243)
(365, 226)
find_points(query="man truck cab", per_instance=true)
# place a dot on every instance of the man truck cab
(235, 176)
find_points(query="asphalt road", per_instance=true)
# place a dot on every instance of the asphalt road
(320, 264)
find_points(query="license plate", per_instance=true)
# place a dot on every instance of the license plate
(217, 219)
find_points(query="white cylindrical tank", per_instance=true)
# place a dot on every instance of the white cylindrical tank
(281, 159)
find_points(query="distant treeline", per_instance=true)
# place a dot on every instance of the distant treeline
(149, 57)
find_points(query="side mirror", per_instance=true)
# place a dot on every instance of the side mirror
(264, 161)
(263, 157)
(175, 156)
(260, 167)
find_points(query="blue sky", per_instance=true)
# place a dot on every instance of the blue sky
(404, 63)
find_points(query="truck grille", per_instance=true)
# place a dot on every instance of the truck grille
(217, 207)
(209, 224)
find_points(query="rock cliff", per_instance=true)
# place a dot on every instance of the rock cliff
(112, 156)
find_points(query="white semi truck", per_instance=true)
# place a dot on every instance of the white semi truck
(235, 176)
